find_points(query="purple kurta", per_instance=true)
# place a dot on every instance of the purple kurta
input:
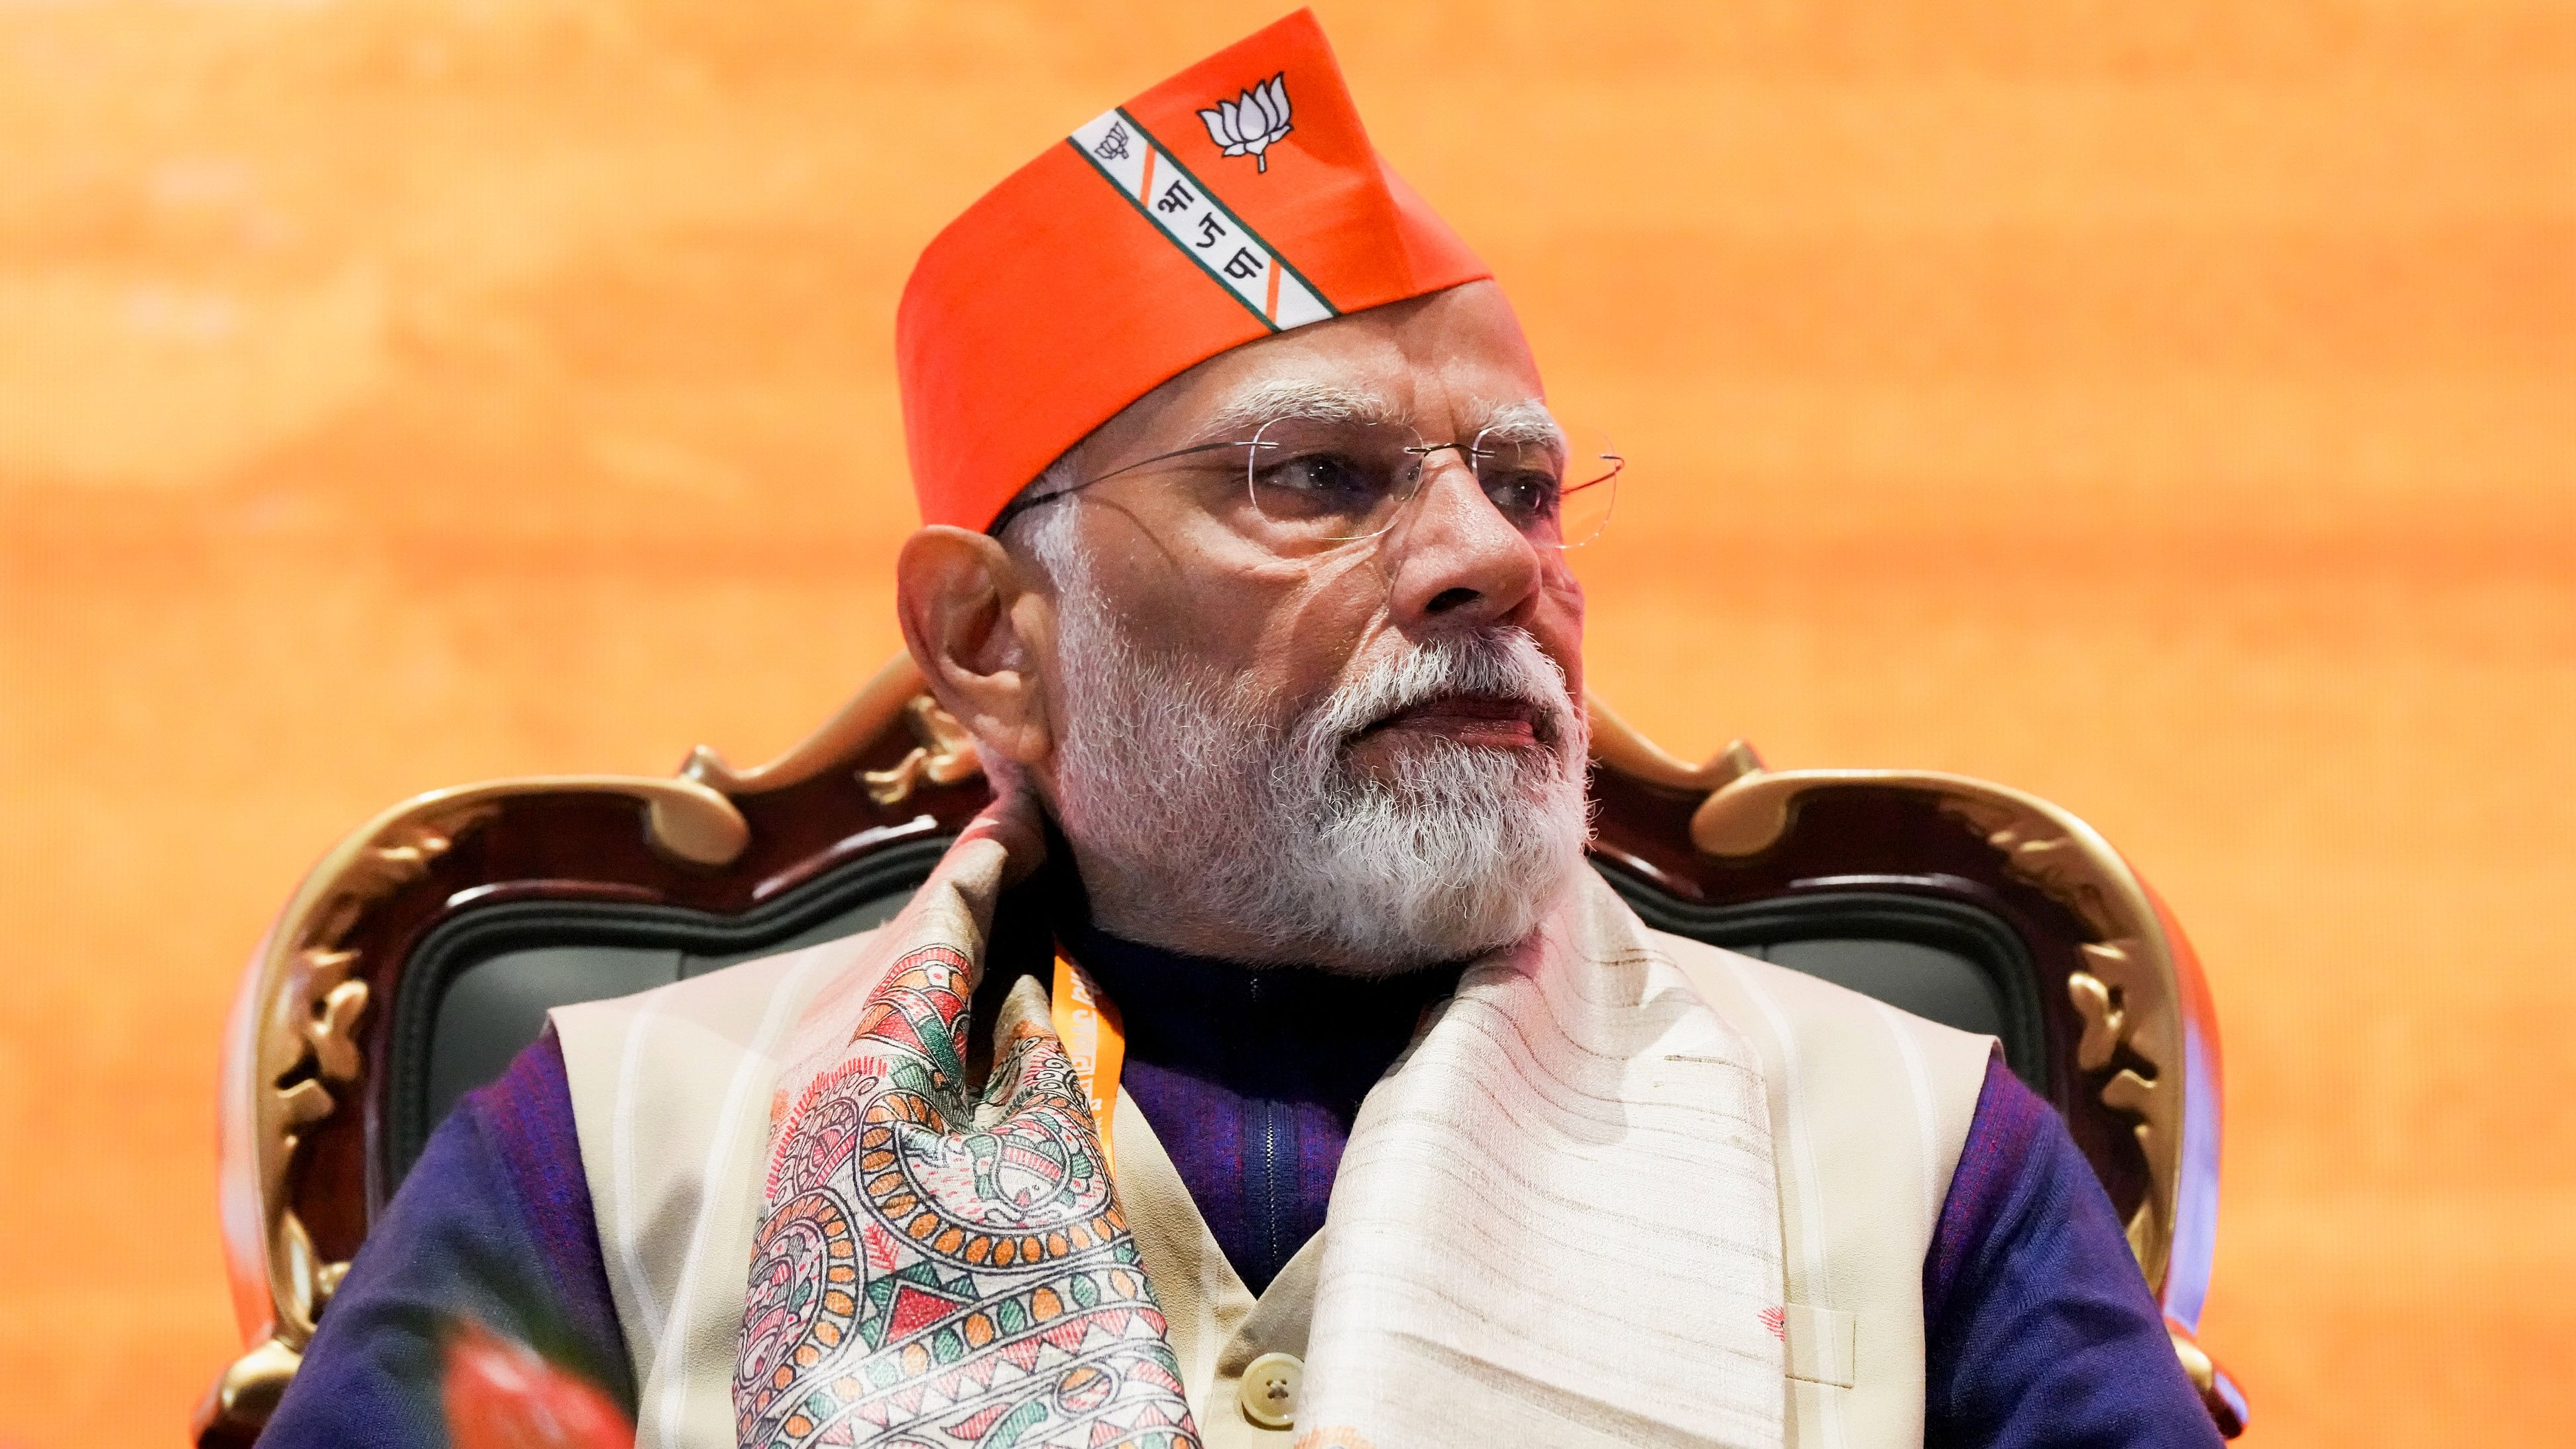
(493, 1226)
(2039, 1330)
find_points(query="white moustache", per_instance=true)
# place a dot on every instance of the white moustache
(1503, 663)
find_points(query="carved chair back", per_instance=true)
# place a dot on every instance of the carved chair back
(424, 950)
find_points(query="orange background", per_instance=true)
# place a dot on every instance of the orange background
(2166, 408)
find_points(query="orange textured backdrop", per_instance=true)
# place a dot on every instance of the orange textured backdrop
(2166, 408)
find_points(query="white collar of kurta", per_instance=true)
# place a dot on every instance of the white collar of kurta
(1556, 1219)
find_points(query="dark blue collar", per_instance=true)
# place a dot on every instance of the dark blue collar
(1272, 1030)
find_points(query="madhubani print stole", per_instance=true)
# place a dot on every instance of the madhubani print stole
(935, 1267)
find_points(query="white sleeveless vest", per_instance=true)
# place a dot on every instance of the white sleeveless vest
(1869, 1109)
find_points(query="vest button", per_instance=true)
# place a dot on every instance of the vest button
(1268, 1392)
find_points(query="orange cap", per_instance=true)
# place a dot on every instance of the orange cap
(1237, 199)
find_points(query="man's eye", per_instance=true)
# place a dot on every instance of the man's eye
(1319, 477)
(1523, 495)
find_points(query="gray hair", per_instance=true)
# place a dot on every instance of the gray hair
(1045, 535)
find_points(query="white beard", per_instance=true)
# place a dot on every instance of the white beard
(1206, 815)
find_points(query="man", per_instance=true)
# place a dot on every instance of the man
(1265, 1065)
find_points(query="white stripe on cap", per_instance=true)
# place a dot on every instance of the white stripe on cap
(1199, 224)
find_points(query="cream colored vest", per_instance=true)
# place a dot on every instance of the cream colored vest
(1869, 1108)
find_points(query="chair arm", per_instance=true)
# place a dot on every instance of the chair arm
(2218, 1392)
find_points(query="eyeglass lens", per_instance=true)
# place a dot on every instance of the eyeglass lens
(1315, 483)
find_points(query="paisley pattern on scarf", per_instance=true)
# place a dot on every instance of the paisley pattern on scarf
(932, 1270)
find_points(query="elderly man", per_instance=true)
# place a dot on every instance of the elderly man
(1265, 1065)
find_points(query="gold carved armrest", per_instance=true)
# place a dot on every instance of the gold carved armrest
(2132, 1038)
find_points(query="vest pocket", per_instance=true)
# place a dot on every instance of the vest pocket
(1822, 1344)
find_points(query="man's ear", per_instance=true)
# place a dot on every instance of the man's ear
(981, 636)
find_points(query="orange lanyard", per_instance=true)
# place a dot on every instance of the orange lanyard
(1087, 1023)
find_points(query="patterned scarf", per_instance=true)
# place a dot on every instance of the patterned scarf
(1555, 1221)
(936, 1266)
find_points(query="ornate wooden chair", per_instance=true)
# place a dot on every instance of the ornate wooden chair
(424, 950)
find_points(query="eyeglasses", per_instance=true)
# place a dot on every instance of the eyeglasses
(1310, 485)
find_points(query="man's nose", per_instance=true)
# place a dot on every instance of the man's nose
(1455, 561)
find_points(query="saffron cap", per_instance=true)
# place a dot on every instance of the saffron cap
(1239, 198)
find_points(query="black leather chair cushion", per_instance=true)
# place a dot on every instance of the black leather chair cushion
(478, 988)
(1939, 959)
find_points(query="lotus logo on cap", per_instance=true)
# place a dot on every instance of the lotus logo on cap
(1252, 122)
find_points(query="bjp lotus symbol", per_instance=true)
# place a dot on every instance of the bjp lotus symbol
(1252, 122)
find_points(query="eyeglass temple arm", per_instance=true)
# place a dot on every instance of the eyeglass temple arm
(1003, 519)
